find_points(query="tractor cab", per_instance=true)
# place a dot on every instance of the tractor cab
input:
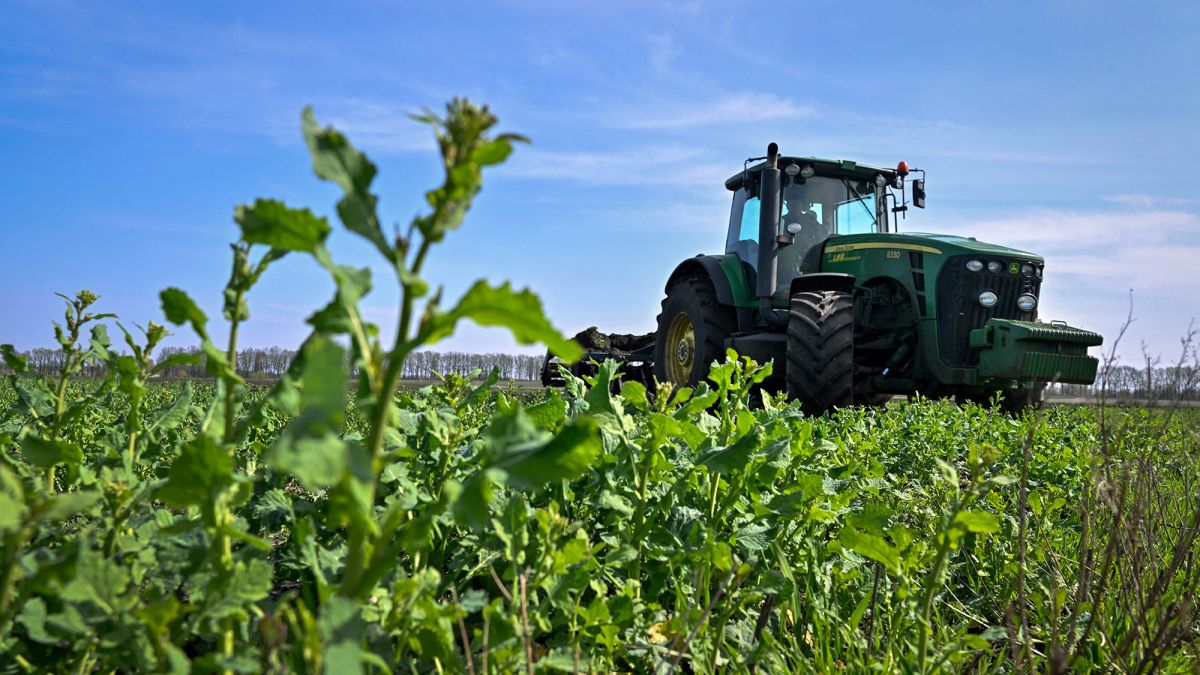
(820, 199)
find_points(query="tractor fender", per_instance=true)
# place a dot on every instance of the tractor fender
(822, 281)
(704, 266)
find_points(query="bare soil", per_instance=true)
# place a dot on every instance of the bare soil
(619, 344)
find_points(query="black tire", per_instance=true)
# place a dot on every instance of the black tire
(693, 302)
(1013, 402)
(1017, 401)
(877, 400)
(820, 350)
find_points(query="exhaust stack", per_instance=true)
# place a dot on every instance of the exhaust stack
(770, 193)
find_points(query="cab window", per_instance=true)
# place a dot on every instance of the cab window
(743, 228)
(855, 217)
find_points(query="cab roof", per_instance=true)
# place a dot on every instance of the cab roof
(824, 167)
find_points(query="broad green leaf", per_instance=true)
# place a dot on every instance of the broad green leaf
(734, 458)
(480, 393)
(565, 456)
(99, 585)
(860, 609)
(572, 552)
(201, 472)
(180, 309)
(11, 513)
(44, 453)
(471, 507)
(159, 615)
(66, 504)
(335, 160)
(232, 593)
(797, 498)
(492, 152)
(14, 361)
(217, 365)
(871, 546)
(518, 311)
(357, 213)
(755, 537)
(599, 396)
(33, 618)
(873, 518)
(635, 394)
(179, 359)
(977, 521)
(274, 224)
(341, 629)
(549, 413)
(310, 447)
(611, 500)
(342, 315)
(174, 414)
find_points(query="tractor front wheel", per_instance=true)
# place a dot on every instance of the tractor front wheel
(1013, 402)
(1016, 401)
(820, 350)
(692, 330)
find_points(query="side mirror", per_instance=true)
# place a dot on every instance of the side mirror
(918, 187)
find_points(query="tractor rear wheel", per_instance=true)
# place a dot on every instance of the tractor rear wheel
(820, 350)
(692, 330)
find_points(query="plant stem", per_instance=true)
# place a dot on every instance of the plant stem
(231, 357)
(932, 582)
(60, 402)
(379, 421)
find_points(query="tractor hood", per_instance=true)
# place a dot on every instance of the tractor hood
(944, 244)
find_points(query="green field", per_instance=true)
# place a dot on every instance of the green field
(321, 526)
(601, 532)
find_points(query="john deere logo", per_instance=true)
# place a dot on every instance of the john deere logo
(1013, 268)
(842, 257)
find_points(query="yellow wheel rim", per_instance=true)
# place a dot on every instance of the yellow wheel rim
(680, 353)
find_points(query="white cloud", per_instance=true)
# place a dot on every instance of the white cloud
(684, 112)
(646, 165)
(1140, 249)
(379, 127)
(1104, 232)
(1143, 200)
(663, 52)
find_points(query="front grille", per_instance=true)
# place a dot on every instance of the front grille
(959, 311)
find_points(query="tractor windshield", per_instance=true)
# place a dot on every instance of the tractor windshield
(832, 205)
(812, 211)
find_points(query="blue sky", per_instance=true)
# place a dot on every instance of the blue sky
(129, 131)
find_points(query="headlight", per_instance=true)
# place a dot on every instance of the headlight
(807, 171)
(1027, 302)
(995, 266)
(1039, 271)
(988, 299)
(975, 265)
(1027, 270)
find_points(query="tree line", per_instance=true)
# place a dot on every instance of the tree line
(1179, 382)
(1170, 383)
(271, 362)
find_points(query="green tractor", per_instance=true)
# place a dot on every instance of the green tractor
(816, 277)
